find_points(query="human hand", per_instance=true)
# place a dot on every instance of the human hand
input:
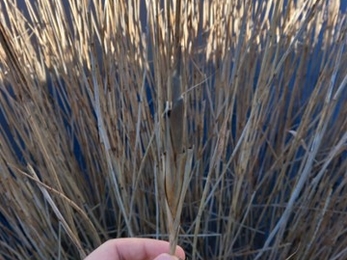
(135, 249)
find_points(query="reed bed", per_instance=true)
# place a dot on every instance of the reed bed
(218, 123)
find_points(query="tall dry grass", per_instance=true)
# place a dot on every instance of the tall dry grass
(87, 146)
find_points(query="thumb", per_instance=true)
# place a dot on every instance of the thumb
(166, 257)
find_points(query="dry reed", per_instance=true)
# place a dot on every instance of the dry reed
(219, 125)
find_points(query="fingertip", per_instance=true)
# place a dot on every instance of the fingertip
(180, 253)
(166, 257)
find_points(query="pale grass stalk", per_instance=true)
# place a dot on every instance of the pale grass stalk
(115, 175)
(319, 222)
(62, 196)
(340, 146)
(61, 218)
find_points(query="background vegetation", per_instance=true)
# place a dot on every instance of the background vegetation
(83, 90)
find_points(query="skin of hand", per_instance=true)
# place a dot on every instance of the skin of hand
(135, 249)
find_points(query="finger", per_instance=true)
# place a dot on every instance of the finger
(166, 257)
(133, 248)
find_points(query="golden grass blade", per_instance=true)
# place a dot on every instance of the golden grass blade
(12, 57)
(61, 218)
(69, 201)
